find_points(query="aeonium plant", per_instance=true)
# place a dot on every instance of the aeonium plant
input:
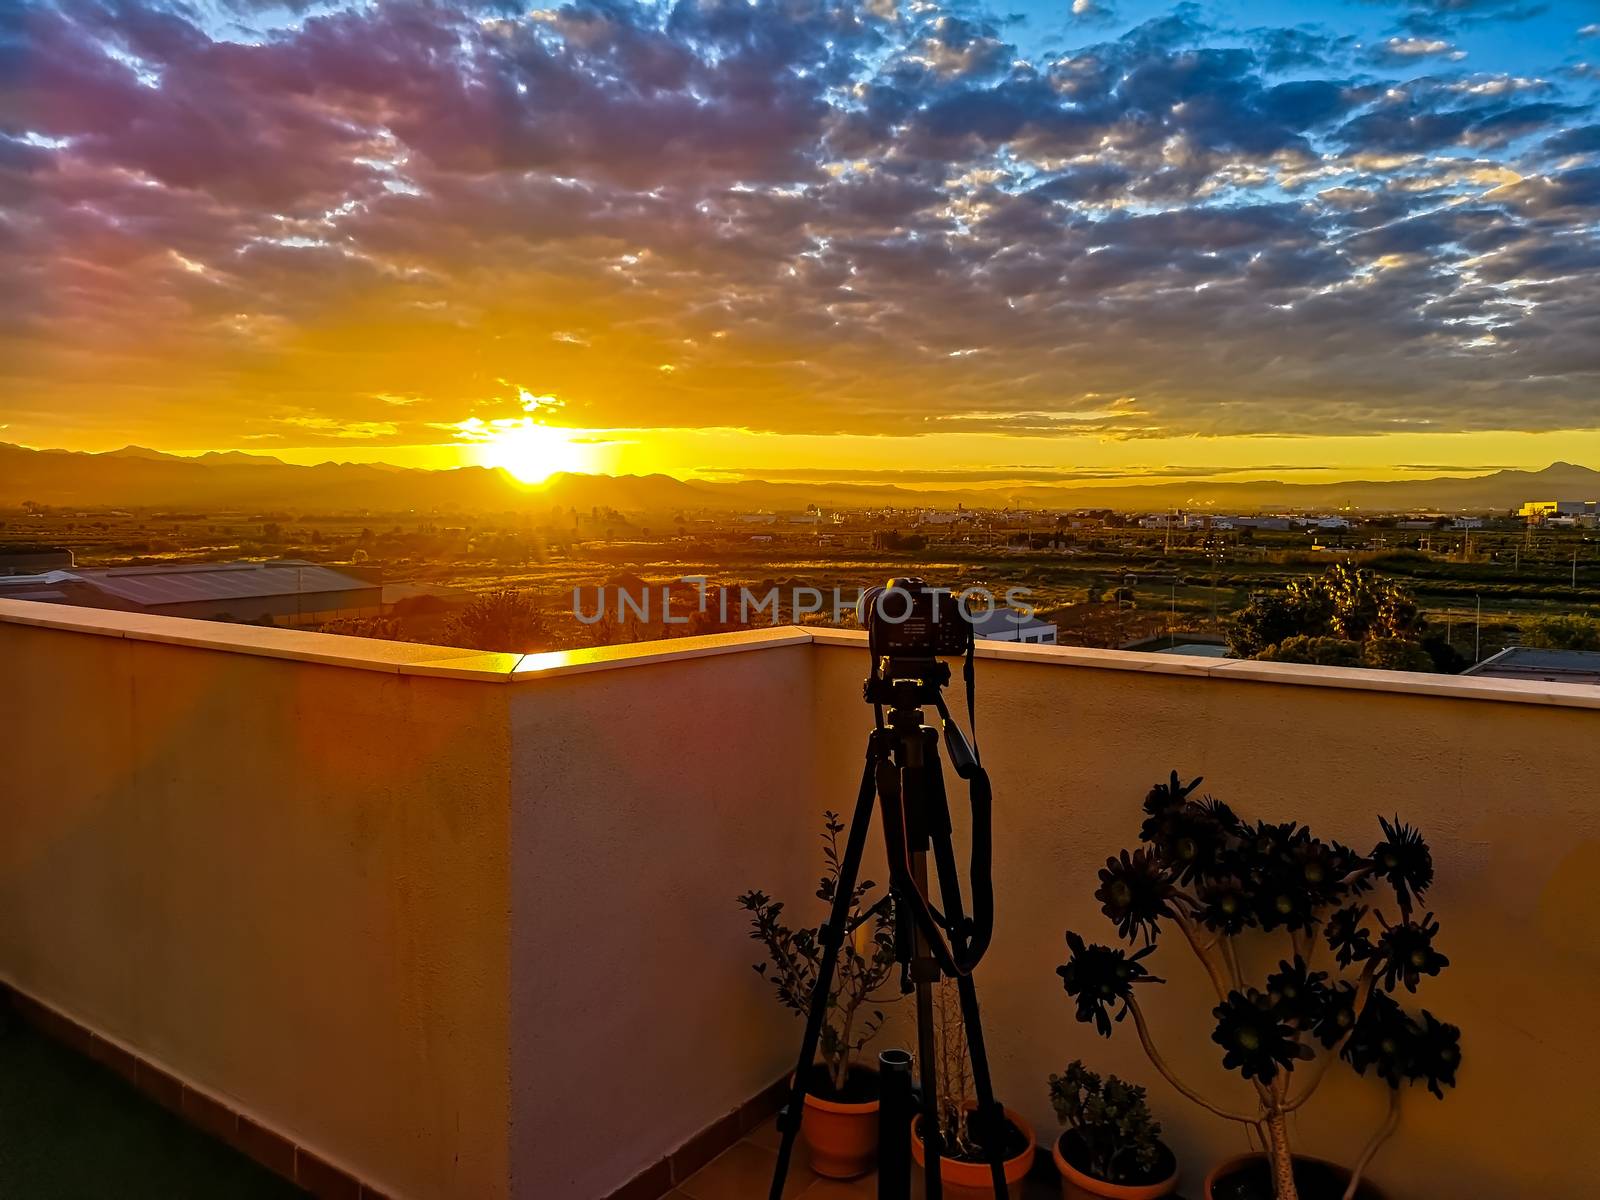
(1217, 879)
(866, 961)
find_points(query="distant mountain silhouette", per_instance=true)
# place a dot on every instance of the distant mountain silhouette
(136, 477)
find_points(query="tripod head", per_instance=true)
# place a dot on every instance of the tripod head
(901, 684)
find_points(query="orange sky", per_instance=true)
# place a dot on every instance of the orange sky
(874, 241)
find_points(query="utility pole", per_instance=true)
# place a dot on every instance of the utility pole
(1477, 634)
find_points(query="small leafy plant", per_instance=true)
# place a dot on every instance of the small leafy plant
(866, 961)
(1116, 1138)
(1217, 878)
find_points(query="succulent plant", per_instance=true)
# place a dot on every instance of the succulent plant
(1218, 879)
(1135, 892)
(1254, 1038)
(1100, 977)
(1404, 861)
(1110, 1123)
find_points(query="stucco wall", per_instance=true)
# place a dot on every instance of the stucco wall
(473, 933)
(285, 882)
(645, 801)
(1504, 791)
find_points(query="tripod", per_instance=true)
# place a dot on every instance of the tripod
(904, 776)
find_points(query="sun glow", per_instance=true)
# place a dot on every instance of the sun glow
(531, 452)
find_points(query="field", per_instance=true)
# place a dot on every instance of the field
(1102, 586)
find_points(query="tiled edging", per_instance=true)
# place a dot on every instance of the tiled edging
(206, 1113)
(662, 1176)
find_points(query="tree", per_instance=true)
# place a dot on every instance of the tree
(1331, 619)
(1570, 632)
(1396, 654)
(1318, 651)
(1265, 622)
(508, 619)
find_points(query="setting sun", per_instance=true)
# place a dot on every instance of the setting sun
(531, 452)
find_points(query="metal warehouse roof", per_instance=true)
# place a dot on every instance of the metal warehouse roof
(1549, 666)
(187, 583)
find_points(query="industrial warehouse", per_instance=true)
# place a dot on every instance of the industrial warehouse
(280, 592)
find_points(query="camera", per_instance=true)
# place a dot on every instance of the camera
(908, 619)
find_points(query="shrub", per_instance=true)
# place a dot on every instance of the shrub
(866, 961)
(1319, 651)
(507, 619)
(1570, 632)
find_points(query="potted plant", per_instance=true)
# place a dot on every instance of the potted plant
(840, 1122)
(963, 1158)
(1111, 1146)
(1217, 878)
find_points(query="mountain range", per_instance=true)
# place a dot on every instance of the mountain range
(136, 477)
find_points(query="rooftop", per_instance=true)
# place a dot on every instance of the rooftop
(183, 583)
(1550, 666)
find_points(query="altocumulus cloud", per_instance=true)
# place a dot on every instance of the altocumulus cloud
(798, 216)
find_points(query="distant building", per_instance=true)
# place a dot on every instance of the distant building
(1542, 510)
(284, 591)
(1467, 523)
(1006, 625)
(1541, 666)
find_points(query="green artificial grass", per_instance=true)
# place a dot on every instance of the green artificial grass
(72, 1130)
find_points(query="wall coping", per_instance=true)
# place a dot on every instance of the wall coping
(447, 662)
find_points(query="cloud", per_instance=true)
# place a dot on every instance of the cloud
(359, 223)
(1407, 49)
(1433, 18)
(1093, 10)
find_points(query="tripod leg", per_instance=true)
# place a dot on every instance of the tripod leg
(990, 1116)
(833, 935)
(927, 1052)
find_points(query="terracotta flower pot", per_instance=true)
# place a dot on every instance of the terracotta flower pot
(1075, 1185)
(972, 1181)
(841, 1139)
(1221, 1171)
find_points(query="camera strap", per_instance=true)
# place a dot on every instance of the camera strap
(970, 676)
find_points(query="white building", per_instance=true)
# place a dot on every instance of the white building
(1008, 625)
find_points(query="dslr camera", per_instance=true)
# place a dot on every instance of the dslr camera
(908, 619)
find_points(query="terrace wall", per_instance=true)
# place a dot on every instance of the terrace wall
(284, 882)
(476, 940)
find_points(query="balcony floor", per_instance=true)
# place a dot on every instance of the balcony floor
(744, 1172)
(72, 1130)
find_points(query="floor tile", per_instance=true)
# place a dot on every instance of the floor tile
(766, 1135)
(744, 1172)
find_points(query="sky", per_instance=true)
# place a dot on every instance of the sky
(926, 242)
